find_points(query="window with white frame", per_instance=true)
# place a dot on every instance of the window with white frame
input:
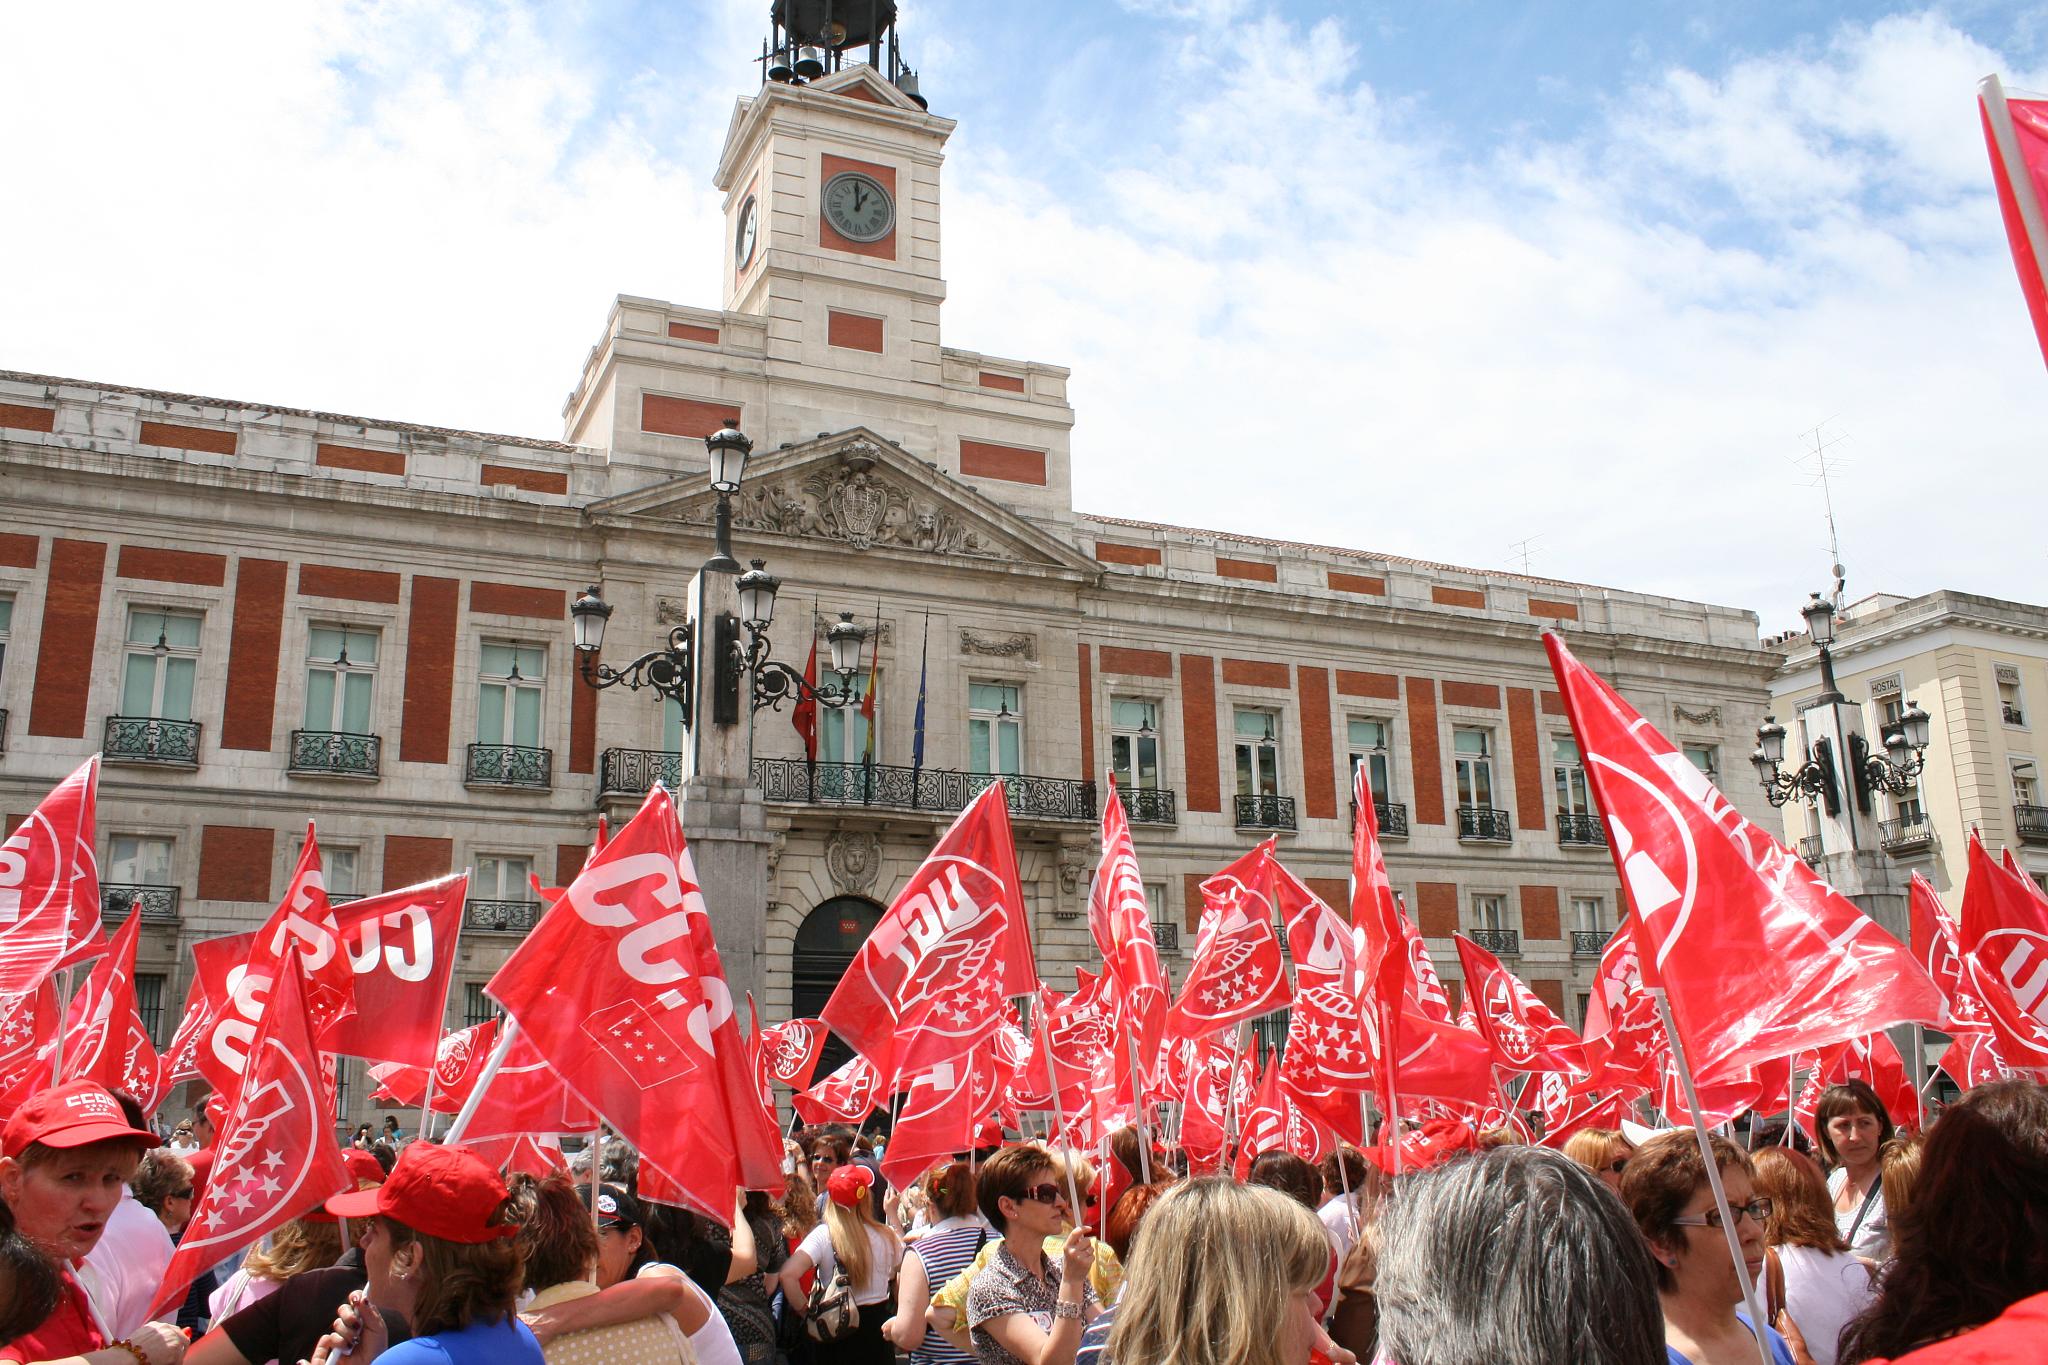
(1472, 754)
(160, 664)
(1490, 912)
(1568, 777)
(2012, 705)
(1258, 751)
(1589, 914)
(843, 730)
(510, 684)
(1707, 758)
(1134, 743)
(1372, 747)
(2026, 782)
(140, 860)
(501, 877)
(995, 728)
(341, 870)
(341, 679)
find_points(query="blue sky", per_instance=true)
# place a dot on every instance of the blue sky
(1572, 274)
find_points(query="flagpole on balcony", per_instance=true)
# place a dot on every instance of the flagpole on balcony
(1758, 1327)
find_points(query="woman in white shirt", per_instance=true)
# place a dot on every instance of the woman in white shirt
(1809, 1272)
(1852, 1127)
(851, 1240)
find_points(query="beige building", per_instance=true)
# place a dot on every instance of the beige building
(1979, 667)
(262, 615)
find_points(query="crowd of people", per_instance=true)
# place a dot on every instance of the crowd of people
(1438, 1246)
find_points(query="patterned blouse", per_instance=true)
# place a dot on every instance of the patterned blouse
(1003, 1287)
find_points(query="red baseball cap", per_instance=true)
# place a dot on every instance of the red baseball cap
(71, 1115)
(849, 1185)
(363, 1169)
(443, 1192)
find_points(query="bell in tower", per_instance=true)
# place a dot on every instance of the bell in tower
(812, 38)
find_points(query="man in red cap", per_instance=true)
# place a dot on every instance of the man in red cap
(65, 1158)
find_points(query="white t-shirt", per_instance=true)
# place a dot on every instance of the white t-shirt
(1823, 1290)
(125, 1268)
(817, 1245)
(1868, 1230)
(1338, 1222)
(713, 1341)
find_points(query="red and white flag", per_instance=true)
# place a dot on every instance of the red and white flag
(848, 1095)
(1971, 1059)
(787, 1054)
(526, 1096)
(942, 1112)
(50, 886)
(2005, 951)
(1624, 1040)
(1121, 924)
(935, 975)
(1212, 1069)
(1376, 914)
(1757, 955)
(1333, 1042)
(104, 1039)
(275, 1156)
(2016, 131)
(1276, 1120)
(304, 923)
(1077, 1033)
(1525, 1033)
(1237, 973)
(1567, 1106)
(27, 1022)
(1433, 1055)
(400, 948)
(612, 990)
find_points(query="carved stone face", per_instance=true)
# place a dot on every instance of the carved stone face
(927, 523)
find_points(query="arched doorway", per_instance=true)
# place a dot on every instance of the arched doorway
(825, 946)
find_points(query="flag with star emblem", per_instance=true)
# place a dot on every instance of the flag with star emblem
(1624, 1037)
(1121, 924)
(104, 1040)
(275, 1156)
(788, 1053)
(50, 886)
(304, 923)
(1276, 1121)
(1567, 1106)
(1525, 1034)
(942, 1111)
(618, 990)
(1079, 1029)
(401, 949)
(1237, 973)
(27, 1021)
(848, 1095)
(2005, 953)
(1333, 1040)
(935, 975)
(526, 1096)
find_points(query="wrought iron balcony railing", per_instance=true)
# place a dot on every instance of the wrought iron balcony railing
(1485, 825)
(502, 917)
(1902, 838)
(151, 739)
(335, 753)
(940, 790)
(1810, 851)
(633, 772)
(1150, 805)
(1499, 942)
(1391, 816)
(159, 903)
(1582, 830)
(2032, 822)
(1265, 812)
(509, 765)
(1166, 936)
(1590, 942)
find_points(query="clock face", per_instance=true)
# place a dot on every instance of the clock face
(858, 208)
(743, 239)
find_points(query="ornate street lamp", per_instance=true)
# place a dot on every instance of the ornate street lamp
(1816, 775)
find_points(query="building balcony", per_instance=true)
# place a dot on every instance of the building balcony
(509, 765)
(1499, 942)
(1810, 849)
(159, 904)
(2032, 822)
(1905, 838)
(1484, 825)
(1265, 812)
(633, 772)
(1150, 805)
(942, 791)
(502, 917)
(1590, 942)
(1580, 830)
(335, 753)
(1166, 936)
(1390, 816)
(151, 741)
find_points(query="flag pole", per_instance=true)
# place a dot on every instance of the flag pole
(1059, 1112)
(596, 1170)
(1758, 1327)
(63, 1011)
(1138, 1091)
(1230, 1097)
(506, 1037)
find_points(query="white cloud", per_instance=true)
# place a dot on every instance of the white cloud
(1296, 309)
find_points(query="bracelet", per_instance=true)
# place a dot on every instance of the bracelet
(1063, 1309)
(131, 1348)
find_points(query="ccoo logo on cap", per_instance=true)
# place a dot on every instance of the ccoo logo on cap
(73, 1115)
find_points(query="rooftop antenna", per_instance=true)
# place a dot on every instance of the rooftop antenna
(1824, 464)
(1525, 550)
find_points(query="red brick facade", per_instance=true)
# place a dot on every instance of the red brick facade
(71, 625)
(234, 863)
(251, 704)
(429, 674)
(1198, 731)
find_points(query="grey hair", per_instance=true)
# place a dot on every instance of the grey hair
(1518, 1256)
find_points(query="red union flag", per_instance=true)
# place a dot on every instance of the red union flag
(526, 1096)
(400, 949)
(1971, 1059)
(1624, 1040)
(848, 1095)
(275, 1156)
(1567, 1106)
(304, 923)
(934, 976)
(104, 1040)
(1526, 1035)
(1121, 924)
(1078, 1032)
(1333, 1043)
(1757, 955)
(612, 991)
(1375, 913)
(27, 1022)
(788, 1053)
(1237, 973)
(50, 886)
(1936, 945)
(2005, 939)
(942, 1109)
(2017, 133)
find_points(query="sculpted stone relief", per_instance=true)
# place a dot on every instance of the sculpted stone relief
(854, 501)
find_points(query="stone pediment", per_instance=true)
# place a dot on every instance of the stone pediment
(860, 490)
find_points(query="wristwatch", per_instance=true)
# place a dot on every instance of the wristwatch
(1063, 1309)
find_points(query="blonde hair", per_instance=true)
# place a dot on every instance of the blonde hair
(852, 1247)
(295, 1248)
(1899, 1171)
(1593, 1147)
(1223, 1255)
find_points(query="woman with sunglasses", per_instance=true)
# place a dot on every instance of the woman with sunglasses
(1029, 1309)
(1602, 1151)
(1665, 1187)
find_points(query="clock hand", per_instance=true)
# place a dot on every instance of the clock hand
(859, 198)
